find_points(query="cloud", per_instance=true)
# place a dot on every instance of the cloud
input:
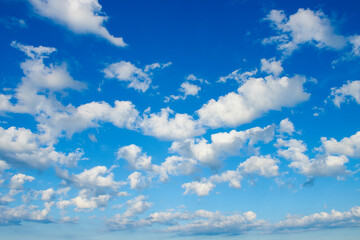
(97, 179)
(80, 16)
(16, 215)
(322, 220)
(322, 165)
(260, 165)
(17, 181)
(136, 160)
(303, 27)
(139, 79)
(85, 201)
(192, 77)
(138, 181)
(271, 66)
(187, 89)
(223, 144)
(286, 126)
(238, 76)
(162, 126)
(348, 146)
(199, 188)
(39, 81)
(350, 90)
(128, 220)
(19, 146)
(254, 98)
(255, 165)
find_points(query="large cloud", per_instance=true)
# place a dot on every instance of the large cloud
(254, 98)
(303, 27)
(80, 16)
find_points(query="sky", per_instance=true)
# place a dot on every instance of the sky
(183, 119)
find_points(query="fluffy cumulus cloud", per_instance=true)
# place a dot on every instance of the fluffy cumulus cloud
(254, 166)
(260, 165)
(199, 188)
(252, 99)
(19, 214)
(97, 187)
(222, 145)
(303, 27)
(322, 165)
(19, 146)
(138, 160)
(350, 90)
(162, 125)
(80, 16)
(96, 179)
(286, 126)
(137, 78)
(271, 66)
(39, 78)
(348, 146)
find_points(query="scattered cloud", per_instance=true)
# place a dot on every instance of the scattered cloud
(139, 79)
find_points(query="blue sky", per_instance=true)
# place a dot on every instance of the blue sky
(179, 119)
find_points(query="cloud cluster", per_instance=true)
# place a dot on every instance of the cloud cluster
(303, 27)
(350, 90)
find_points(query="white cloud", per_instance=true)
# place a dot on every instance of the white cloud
(139, 79)
(286, 126)
(321, 220)
(128, 220)
(136, 160)
(192, 77)
(322, 165)
(32, 93)
(187, 89)
(262, 165)
(136, 206)
(254, 98)
(223, 144)
(355, 42)
(175, 166)
(199, 188)
(238, 76)
(216, 223)
(348, 146)
(138, 181)
(303, 27)
(162, 126)
(80, 16)
(50, 194)
(17, 181)
(97, 179)
(351, 90)
(271, 66)
(85, 201)
(16, 215)
(71, 120)
(21, 146)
